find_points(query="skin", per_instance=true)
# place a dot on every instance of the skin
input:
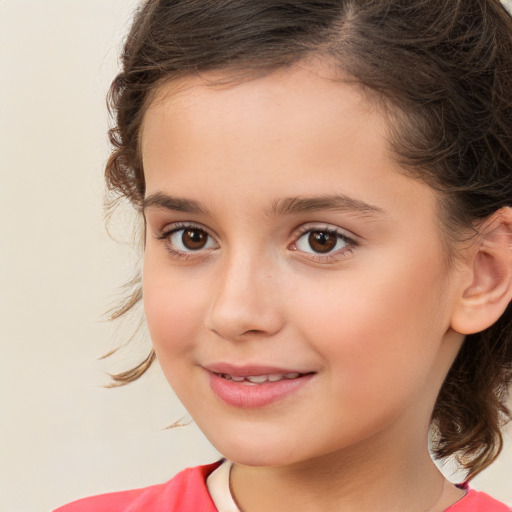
(371, 319)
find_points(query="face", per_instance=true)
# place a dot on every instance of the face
(295, 285)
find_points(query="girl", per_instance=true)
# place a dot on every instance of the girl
(326, 191)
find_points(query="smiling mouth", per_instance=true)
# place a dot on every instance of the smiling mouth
(261, 379)
(256, 386)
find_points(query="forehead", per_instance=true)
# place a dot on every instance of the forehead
(296, 132)
(304, 103)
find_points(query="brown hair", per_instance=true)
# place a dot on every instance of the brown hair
(444, 67)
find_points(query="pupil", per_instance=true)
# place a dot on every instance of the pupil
(194, 239)
(321, 241)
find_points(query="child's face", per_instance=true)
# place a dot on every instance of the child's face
(282, 239)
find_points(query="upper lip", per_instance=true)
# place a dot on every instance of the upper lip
(250, 370)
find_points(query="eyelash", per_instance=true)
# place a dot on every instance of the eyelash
(165, 235)
(350, 243)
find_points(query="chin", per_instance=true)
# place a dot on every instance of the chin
(258, 452)
(259, 458)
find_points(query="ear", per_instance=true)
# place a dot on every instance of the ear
(487, 287)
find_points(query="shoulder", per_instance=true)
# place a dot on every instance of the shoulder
(187, 491)
(476, 501)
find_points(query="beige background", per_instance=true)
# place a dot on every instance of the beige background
(62, 435)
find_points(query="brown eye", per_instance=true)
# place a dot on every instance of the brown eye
(322, 241)
(188, 239)
(194, 239)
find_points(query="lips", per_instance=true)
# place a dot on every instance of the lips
(255, 386)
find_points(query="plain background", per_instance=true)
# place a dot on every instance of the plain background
(62, 434)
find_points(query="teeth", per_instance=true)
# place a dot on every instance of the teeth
(257, 379)
(260, 379)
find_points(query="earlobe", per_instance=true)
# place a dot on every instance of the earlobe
(489, 291)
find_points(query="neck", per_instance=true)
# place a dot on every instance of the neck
(351, 480)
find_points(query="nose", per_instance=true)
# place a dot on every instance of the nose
(245, 302)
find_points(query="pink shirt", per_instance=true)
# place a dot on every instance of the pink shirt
(187, 491)
(475, 501)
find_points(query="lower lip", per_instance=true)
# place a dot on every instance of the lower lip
(249, 396)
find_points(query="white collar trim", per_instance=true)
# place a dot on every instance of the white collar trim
(218, 487)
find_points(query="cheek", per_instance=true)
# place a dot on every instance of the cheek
(377, 318)
(173, 310)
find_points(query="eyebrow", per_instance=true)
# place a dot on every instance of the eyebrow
(160, 200)
(280, 207)
(342, 203)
